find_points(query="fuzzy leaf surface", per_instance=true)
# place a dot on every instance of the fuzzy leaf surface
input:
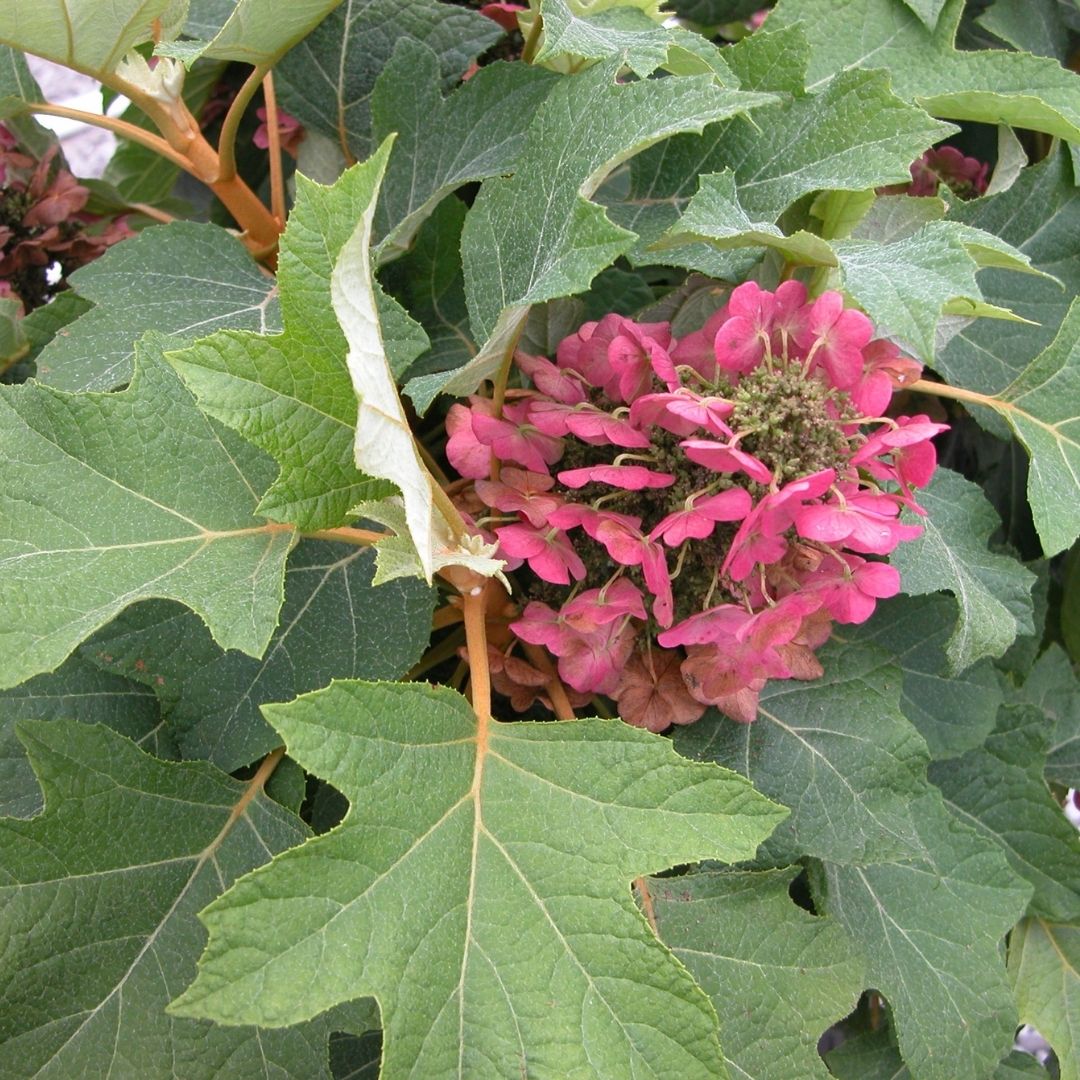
(476, 132)
(777, 975)
(992, 86)
(953, 713)
(1042, 407)
(851, 135)
(334, 624)
(838, 751)
(478, 888)
(100, 894)
(326, 81)
(113, 498)
(1044, 966)
(993, 591)
(536, 236)
(1052, 686)
(291, 394)
(257, 32)
(999, 790)
(75, 691)
(1042, 206)
(184, 279)
(930, 929)
(81, 34)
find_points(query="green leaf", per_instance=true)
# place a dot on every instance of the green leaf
(76, 691)
(184, 279)
(715, 216)
(428, 281)
(991, 86)
(99, 898)
(854, 134)
(1042, 406)
(81, 34)
(257, 32)
(838, 751)
(993, 591)
(476, 132)
(1052, 686)
(999, 790)
(110, 498)
(1044, 966)
(385, 446)
(777, 975)
(334, 624)
(1034, 26)
(536, 236)
(928, 11)
(873, 1055)
(462, 858)
(953, 713)
(290, 394)
(1041, 206)
(326, 81)
(771, 61)
(931, 929)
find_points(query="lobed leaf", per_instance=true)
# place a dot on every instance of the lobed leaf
(99, 897)
(993, 591)
(837, 751)
(478, 889)
(1044, 968)
(777, 975)
(185, 280)
(931, 930)
(111, 498)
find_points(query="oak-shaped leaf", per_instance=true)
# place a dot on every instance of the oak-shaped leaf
(838, 751)
(999, 790)
(1044, 967)
(290, 393)
(952, 712)
(98, 902)
(183, 279)
(1051, 685)
(537, 235)
(993, 591)
(931, 928)
(479, 889)
(112, 498)
(777, 975)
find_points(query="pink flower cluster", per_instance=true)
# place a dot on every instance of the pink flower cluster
(694, 514)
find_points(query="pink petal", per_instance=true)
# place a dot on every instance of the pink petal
(629, 477)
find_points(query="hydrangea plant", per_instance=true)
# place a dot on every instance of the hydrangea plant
(539, 540)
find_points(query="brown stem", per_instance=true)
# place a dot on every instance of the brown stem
(475, 608)
(151, 212)
(231, 124)
(446, 616)
(560, 702)
(957, 393)
(254, 786)
(121, 128)
(277, 183)
(346, 535)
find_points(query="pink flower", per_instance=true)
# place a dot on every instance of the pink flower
(547, 551)
(465, 452)
(506, 15)
(722, 458)
(520, 491)
(698, 520)
(629, 477)
(597, 607)
(835, 337)
(864, 523)
(913, 455)
(741, 341)
(850, 588)
(290, 130)
(513, 438)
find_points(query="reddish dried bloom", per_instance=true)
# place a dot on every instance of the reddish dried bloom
(44, 224)
(965, 176)
(718, 501)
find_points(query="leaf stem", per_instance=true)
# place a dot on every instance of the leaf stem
(121, 128)
(231, 124)
(347, 535)
(560, 702)
(531, 42)
(277, 183)
(254, 786)
(475, 608)
(958, 393)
